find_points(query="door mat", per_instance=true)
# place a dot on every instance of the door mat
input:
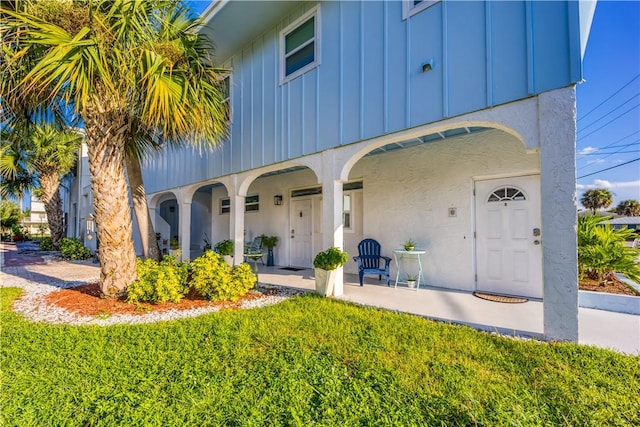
(292, 268)
(499, 298)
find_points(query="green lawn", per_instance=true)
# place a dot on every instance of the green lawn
(306, 360)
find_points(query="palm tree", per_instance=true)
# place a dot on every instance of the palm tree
(106, 59)
(596, 198)
(628, 208)
(42, 156)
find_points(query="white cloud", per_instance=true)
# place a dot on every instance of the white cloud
(588, 150)
(621, 190)
(595, 161)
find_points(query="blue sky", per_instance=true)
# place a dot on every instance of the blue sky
(608, 101)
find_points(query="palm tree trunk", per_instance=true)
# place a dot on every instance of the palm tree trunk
(141, 210)
(106, 137)
(50, 186)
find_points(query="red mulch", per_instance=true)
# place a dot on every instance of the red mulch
(85, 300)
(612, 287)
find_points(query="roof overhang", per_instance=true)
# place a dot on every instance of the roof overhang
(232, 24)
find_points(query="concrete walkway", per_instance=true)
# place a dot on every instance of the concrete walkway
(617, 331)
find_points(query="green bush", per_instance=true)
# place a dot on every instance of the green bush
(224, 247)
(330, 259)
(217, 281)
(46, 244)
(159, 281)
(73, 249)
(602, 250)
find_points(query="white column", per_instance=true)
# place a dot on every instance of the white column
(236, 221)
(332, 228)
(557, 127)
(184, 222)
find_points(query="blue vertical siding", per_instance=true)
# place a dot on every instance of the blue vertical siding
(370, 80)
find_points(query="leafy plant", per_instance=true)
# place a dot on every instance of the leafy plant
(224, 247)
(215, 280)
(602, 250)
(207, 243)
(412, 278)
(269, 241)
(409, 245)
(330, 259)
(46, 244)
(74, 249)
(159, 281)
(174, 243)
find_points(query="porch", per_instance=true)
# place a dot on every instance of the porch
(601, 328)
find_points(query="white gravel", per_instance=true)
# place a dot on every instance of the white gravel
(33, 305)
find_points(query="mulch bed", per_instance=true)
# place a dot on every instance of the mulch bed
(612, 287)
(85, 300)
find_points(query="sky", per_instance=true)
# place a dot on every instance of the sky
(608, 102)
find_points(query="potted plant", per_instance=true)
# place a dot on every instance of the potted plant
(269, 242)
(325, 264)
(207, 243)
(409, 245)
(225, 248)
(174, 245)
(412, 280)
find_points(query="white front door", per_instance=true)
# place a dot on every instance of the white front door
(301, 233)
(508, 236)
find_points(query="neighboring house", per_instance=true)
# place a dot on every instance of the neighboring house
(632, 222)
(36, 224)
(448, 122)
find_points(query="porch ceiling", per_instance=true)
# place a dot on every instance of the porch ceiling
(432, 137)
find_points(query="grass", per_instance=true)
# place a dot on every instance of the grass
(306, 360)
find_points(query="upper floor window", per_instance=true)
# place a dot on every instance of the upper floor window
(411, 7)
(299, 46)
(226, 93)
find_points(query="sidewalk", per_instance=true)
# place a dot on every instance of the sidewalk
(617, 331)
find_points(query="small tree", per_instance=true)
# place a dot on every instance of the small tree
(10, 215)
(596, 198)
(602, 250)
(628, 208)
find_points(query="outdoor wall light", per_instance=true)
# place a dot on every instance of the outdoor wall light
(277, 199)
(90, 226)
(427, 66)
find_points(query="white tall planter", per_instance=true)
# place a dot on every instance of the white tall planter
(325, 281)
(228, 259)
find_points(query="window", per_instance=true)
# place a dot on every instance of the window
(226, 91)
(299, 45)
(411, 7)
(225, 206)
(346, 211)
(506, 193)
(252, 203)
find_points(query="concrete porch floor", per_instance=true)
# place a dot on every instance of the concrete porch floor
(617, 331)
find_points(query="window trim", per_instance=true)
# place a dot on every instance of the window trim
(314, 12)
(351, 228)
(409, 9)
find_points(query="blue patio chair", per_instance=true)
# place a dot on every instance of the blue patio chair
(252, 249)
(370, 261)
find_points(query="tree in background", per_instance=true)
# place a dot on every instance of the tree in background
(106, 60)
(46, 153)
(10, 215)
(597, 198)
(628, 208)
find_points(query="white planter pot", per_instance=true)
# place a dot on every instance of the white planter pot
(411, 283)
(228, 259)
(325, 281)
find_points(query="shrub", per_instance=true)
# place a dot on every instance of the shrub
(159, 281)
(217, 281)
(330, 259)
(224, 247)
(73, 249)
(602, 250)
(46, 244)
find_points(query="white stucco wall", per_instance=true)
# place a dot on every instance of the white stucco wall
(407, 194)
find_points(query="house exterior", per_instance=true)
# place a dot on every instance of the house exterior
(36, 224)
(448, 122)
